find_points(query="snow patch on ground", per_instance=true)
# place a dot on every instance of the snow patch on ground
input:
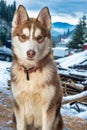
(4, 74)
(75, 110)
(73, 59)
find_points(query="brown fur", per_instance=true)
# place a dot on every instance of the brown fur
(37, 101)
(28, 23)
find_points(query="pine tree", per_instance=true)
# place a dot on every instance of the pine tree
(6, 15)
(68, 32)
(85, 37)
(7, 11)
(78, 36)
(85, 30)
(2, 9)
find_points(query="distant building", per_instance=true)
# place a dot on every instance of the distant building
(85, 46)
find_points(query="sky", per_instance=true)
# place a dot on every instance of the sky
(61, 10)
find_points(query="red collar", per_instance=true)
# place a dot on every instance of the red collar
(33, 69)
(30, 70)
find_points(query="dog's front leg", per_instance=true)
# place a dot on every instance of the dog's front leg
(20, 120)
(48, 117)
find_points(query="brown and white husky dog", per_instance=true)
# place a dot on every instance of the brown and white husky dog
(35, 84)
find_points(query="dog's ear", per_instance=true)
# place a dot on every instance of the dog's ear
(20, 16)
(45, 18)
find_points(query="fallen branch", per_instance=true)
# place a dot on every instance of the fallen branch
(73, 98)
(74, 77)
(73, 85)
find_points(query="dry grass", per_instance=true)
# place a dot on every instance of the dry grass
(71, 123)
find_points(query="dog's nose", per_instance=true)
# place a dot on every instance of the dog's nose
(30, 53)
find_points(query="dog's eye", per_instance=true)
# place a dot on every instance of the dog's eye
(23, 36)
(40, 38)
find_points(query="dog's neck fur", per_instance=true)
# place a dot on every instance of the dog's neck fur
(45, 60)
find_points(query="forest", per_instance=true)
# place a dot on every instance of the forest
(6, 15)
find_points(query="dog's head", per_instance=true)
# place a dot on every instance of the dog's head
(31, 39)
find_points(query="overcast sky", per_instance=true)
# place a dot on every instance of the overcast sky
(61, 10)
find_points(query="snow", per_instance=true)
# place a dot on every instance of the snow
(82, 115)
(80, 111)
(4, 75)
(75, 97)
(85, 43)
(65, 63)
(66, 109)
(73, 59)
(81, 73)
(66, 40)
(75, 110)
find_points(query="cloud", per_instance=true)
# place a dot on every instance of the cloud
(65, 10)
(61, 17)
(67, 18)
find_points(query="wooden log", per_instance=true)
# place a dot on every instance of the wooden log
(73, 98)
(74, 85)
(74, 77)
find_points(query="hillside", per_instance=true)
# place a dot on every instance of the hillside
(63, 25)
(60, 28)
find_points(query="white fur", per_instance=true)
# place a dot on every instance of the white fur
(31, 32)
(26, 31)
(47, 125)
(20, 123)
(37, 32)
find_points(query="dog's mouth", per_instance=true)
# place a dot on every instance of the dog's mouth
(31, 59)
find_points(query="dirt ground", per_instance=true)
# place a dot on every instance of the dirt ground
(6, 112)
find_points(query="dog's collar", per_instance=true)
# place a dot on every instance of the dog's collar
(30, 70)
(42, 63)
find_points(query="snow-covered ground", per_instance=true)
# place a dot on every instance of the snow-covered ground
(77, 110)
(70, 61)
(5, 68)
(74, 59)
(72, 110)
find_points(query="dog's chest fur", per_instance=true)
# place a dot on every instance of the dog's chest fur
(34, 95)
